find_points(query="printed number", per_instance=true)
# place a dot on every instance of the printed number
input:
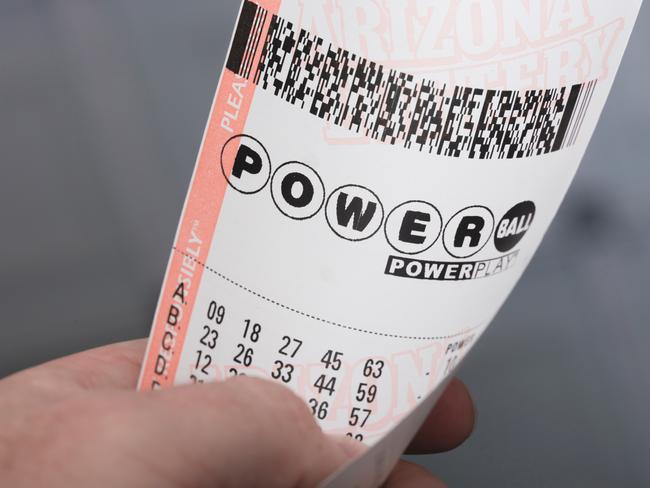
(452, 362)
(282, 371)
(195, 380)
(357, 437)
(244, 356)
(210, 337)
(291, 346)
(332, 360)
(373, 369)
(319, 409)
(325, 383)
(359, 416)
(366, 392)
(234, 372)
(216, 312)
(252, 331)
(203, 361)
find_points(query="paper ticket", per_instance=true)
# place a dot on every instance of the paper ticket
(373, 180)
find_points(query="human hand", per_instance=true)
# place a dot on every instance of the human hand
(77, 421)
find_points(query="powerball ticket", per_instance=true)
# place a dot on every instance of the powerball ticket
(374, 178)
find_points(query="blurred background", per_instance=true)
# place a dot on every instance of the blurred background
(102, 107)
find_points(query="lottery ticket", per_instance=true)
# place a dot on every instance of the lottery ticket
(374, 178)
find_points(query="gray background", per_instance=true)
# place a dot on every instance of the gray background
(102, 106)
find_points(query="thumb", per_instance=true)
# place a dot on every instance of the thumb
(242, 432)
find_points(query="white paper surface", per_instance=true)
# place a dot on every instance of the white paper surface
(373, 181)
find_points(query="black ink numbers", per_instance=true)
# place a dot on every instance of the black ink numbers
(290, 346)
(325, 383)
(215, 315)
(365, 396)
(203, 362)
(359, 417)
(209, 338)
(373, 368)
(318, 408)
(332, 360)
(282, 368)
(252, 330)
(216, 312)
(245, 351)
(244, 355)
(366, 393)
(282, 371)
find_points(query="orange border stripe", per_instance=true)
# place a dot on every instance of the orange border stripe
(200, 215)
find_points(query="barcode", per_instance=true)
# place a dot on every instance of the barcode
(390, 106)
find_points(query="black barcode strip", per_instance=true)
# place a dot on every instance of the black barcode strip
(390, 106)
(575, 123)
(592, 90)
(253, 43)
(586, 94)
(249, 45)
(567, 118)
(265, 15)
(242, 36)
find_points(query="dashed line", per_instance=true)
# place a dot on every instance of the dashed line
(314, 317)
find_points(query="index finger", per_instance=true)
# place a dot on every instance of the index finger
(449, 424)
(110, 367)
